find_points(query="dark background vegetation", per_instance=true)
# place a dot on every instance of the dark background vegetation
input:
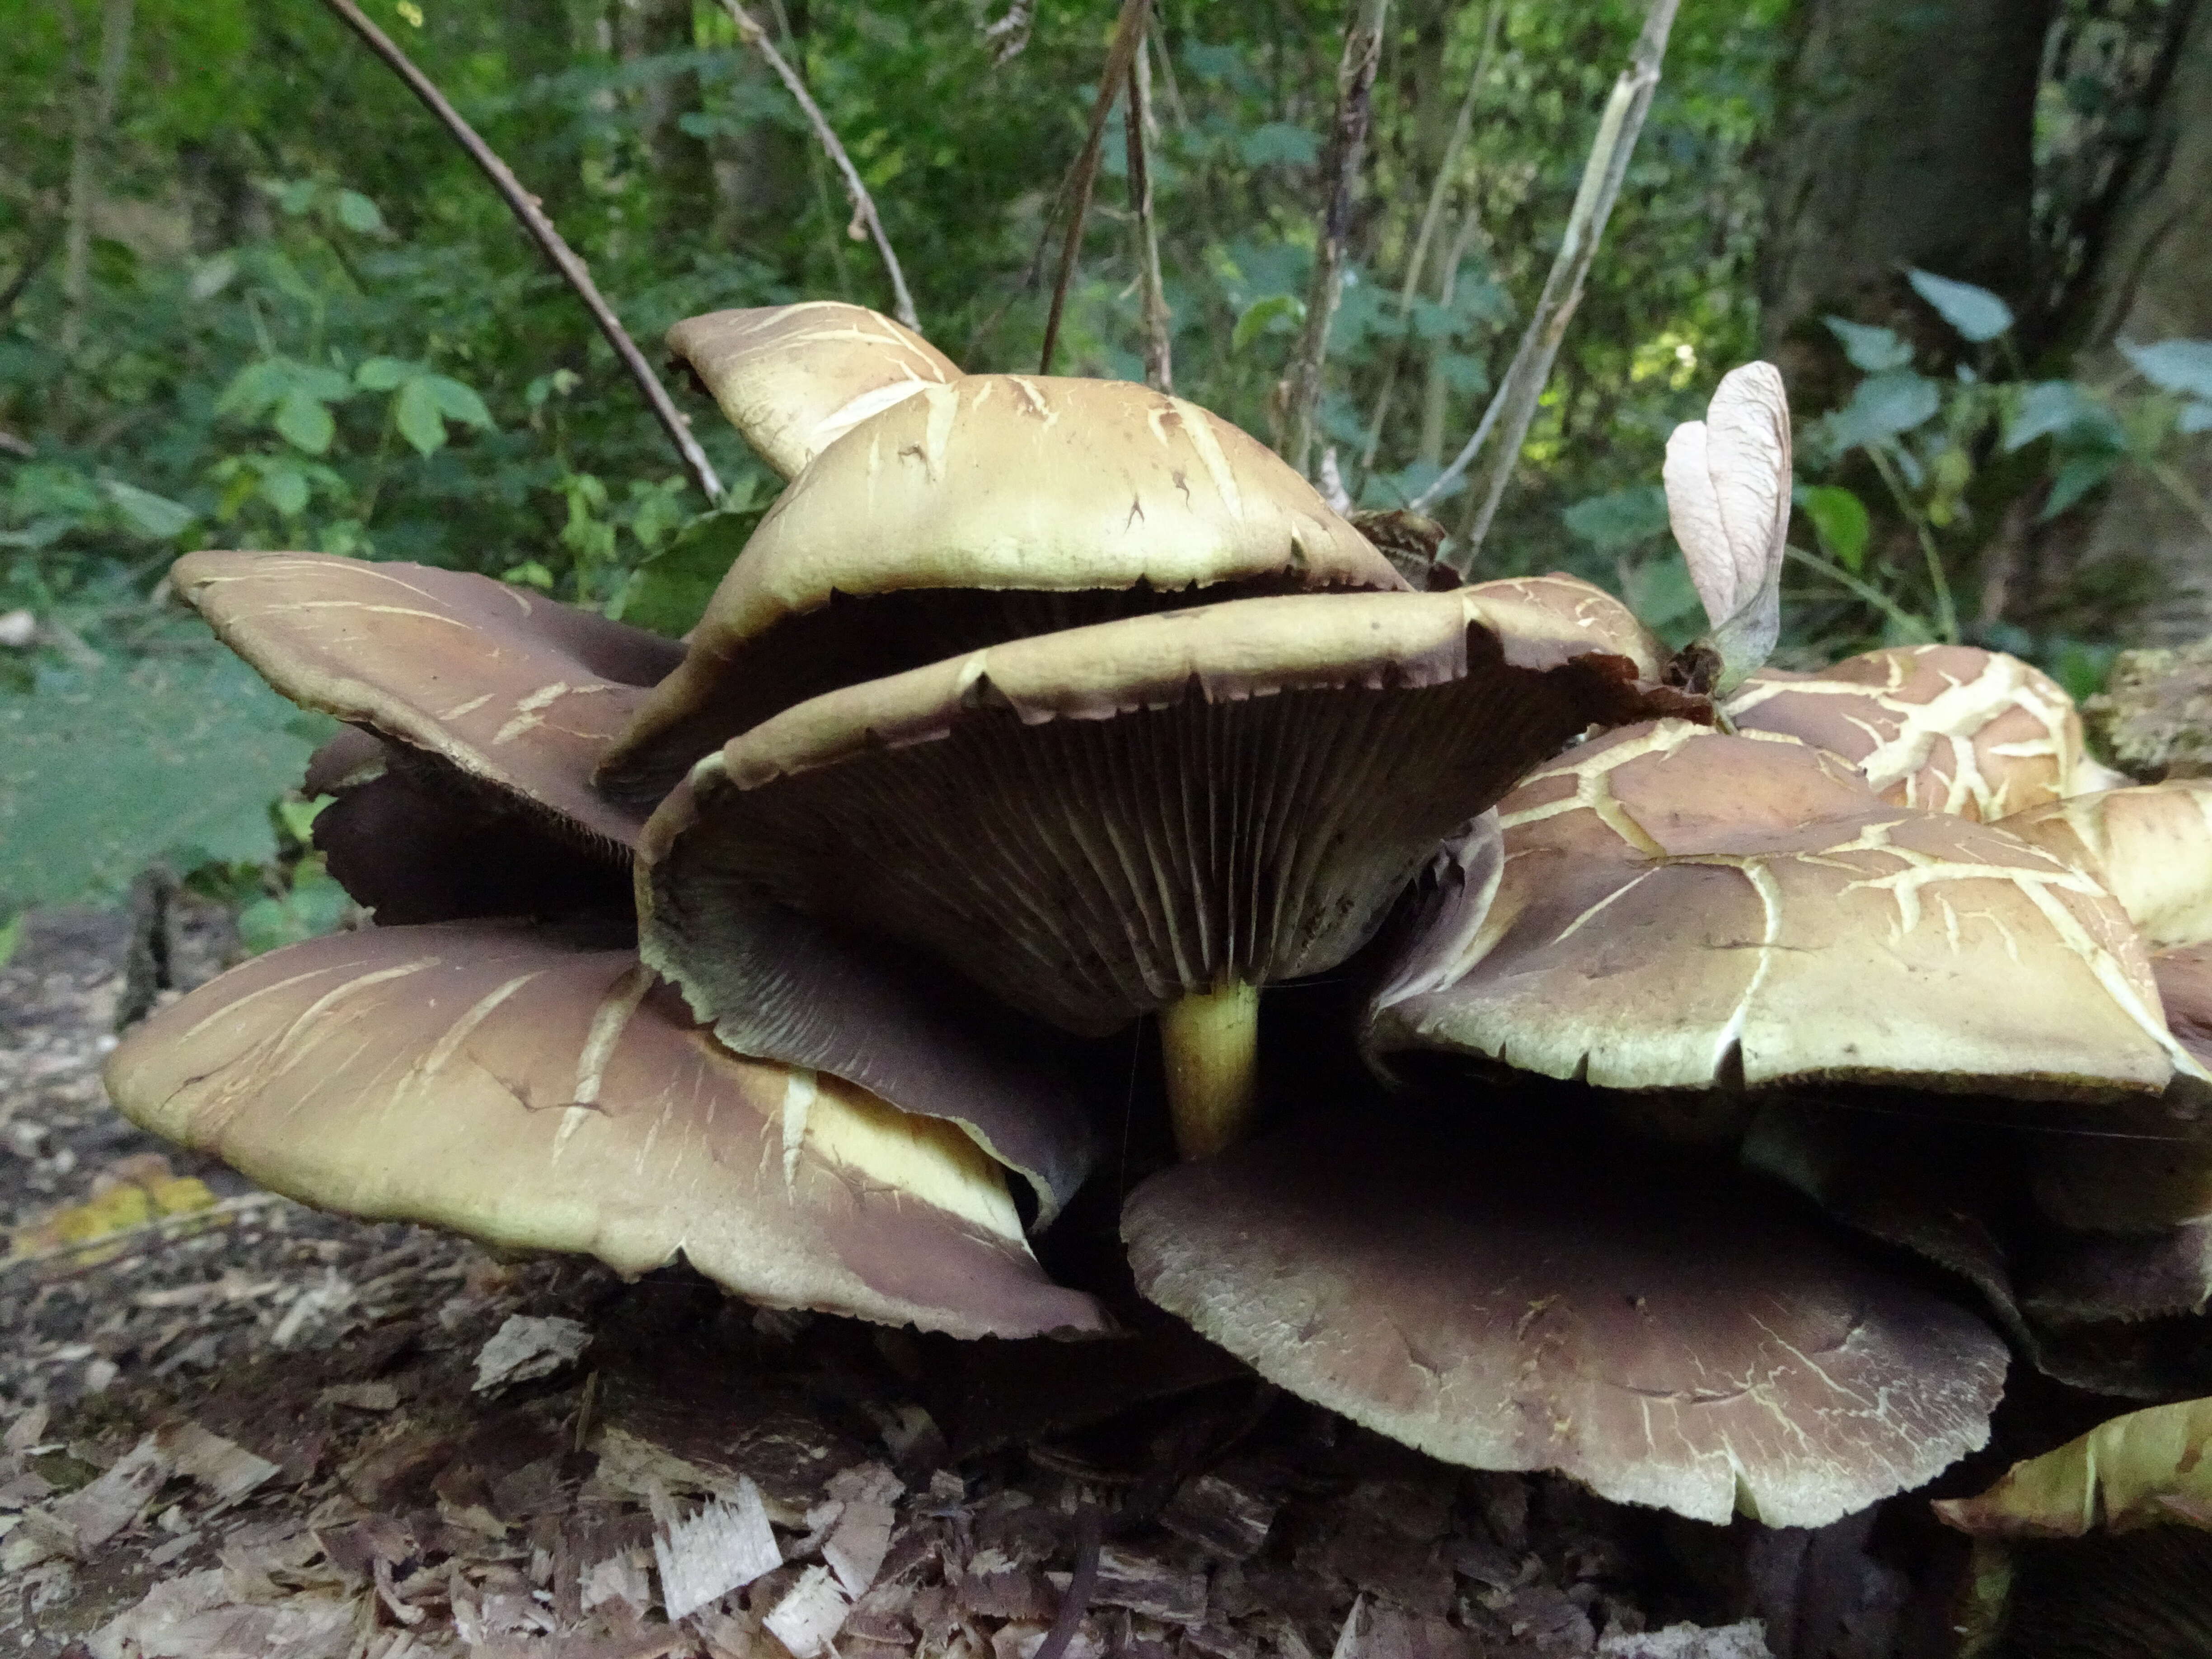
(251, 295)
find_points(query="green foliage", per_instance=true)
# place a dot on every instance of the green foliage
(114, 767)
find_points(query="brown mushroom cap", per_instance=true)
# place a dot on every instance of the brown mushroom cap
(538, 1093)
(994, 507)
(514, 690)
(1947, 728)
(1681, 909)
(794, 378)
(1664, 1333)
(2151, 846)
(1097, 823)
(480, 804)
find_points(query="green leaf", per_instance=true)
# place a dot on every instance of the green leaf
(384, 373)
(2063, 407)
(668, 591)
(457, 401)
(314, 905)
(115, 768)
(1659, 590)
(414, 411)
(1873, 350)
(2076, 478)
(304, 421)
(154, 517)
(253, 388)
(2153, 1465)
(1882, 406)
(1974, 312)
(285, 488)
(1620, 519)
(1262, 316)
(11, 935)
(358, 214)
(1840, 519)
(2182, 366)
(2195, 418)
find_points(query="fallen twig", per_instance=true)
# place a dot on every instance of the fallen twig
(1355, 87)
(1160, 345)
(1089, 1533)
(550, 242)
(864, 205)
(1515, 404)
(1128, 35)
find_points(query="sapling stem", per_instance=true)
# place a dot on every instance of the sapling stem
(1210, 1042)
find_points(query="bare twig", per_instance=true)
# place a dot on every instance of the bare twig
(1433, 394)
(33, 262)
(1515, 405)
(864, 205)
(550, 242)
(1159, 346)
(1431, 215)
(94, 114)
(1128, 35)
(1355, 87)
(1090, 1533)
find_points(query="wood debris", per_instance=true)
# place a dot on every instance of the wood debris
(723, 1547)
(523, 1348)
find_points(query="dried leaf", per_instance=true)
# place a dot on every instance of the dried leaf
(523, 1348)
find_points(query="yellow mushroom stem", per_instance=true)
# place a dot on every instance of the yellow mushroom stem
(1211, 1042)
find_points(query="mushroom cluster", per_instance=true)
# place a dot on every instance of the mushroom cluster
(1036, 707)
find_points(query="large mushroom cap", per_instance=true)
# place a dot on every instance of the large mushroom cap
(1666, 1335)
(1097, 823)
(515, 692)
(1948, 728)
(794, 378)
(1680, 908)
(538, 1093)
(987, 508)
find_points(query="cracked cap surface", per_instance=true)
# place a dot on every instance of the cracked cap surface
(1679, 909)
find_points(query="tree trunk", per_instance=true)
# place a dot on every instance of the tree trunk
(2149, 283)
(1904, 137)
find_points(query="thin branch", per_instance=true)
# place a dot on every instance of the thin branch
(95, 115)
(1435, 393)
(563, 258)
(1128, 35)
(33, 262)
(1160, 345)
(1866, 590)
(1355, 87)
(1431, 215)
(1515, 406)
(817, 175)
(864, 205)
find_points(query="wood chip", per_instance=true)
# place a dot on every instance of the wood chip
(225, 1470)
(861, 1538)
(1745, 1641)
(1144, 1584)
(724, 1546)
(808, 1618)
(523, 1348)
(361, 1396)
(1219, 1517)
(95, 1513)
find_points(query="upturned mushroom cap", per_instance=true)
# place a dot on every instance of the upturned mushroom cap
(538, 1093)
(2151, 846)
(1947, 728)
(794, 378)
(1094, 824)
(980, 511)
(512, 690)
(1680, 908)
(1666, 1334)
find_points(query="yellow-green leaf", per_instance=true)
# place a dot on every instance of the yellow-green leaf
(2148, 1466)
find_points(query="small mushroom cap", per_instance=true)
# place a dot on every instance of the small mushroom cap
(2151, 846)
(2146, 1468)
(991, 508)
(1666, 1334)
(538, 1093)
(1947, 728)
(794, 378)
(509, 687)
(1679, 909)
(1095, 822)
